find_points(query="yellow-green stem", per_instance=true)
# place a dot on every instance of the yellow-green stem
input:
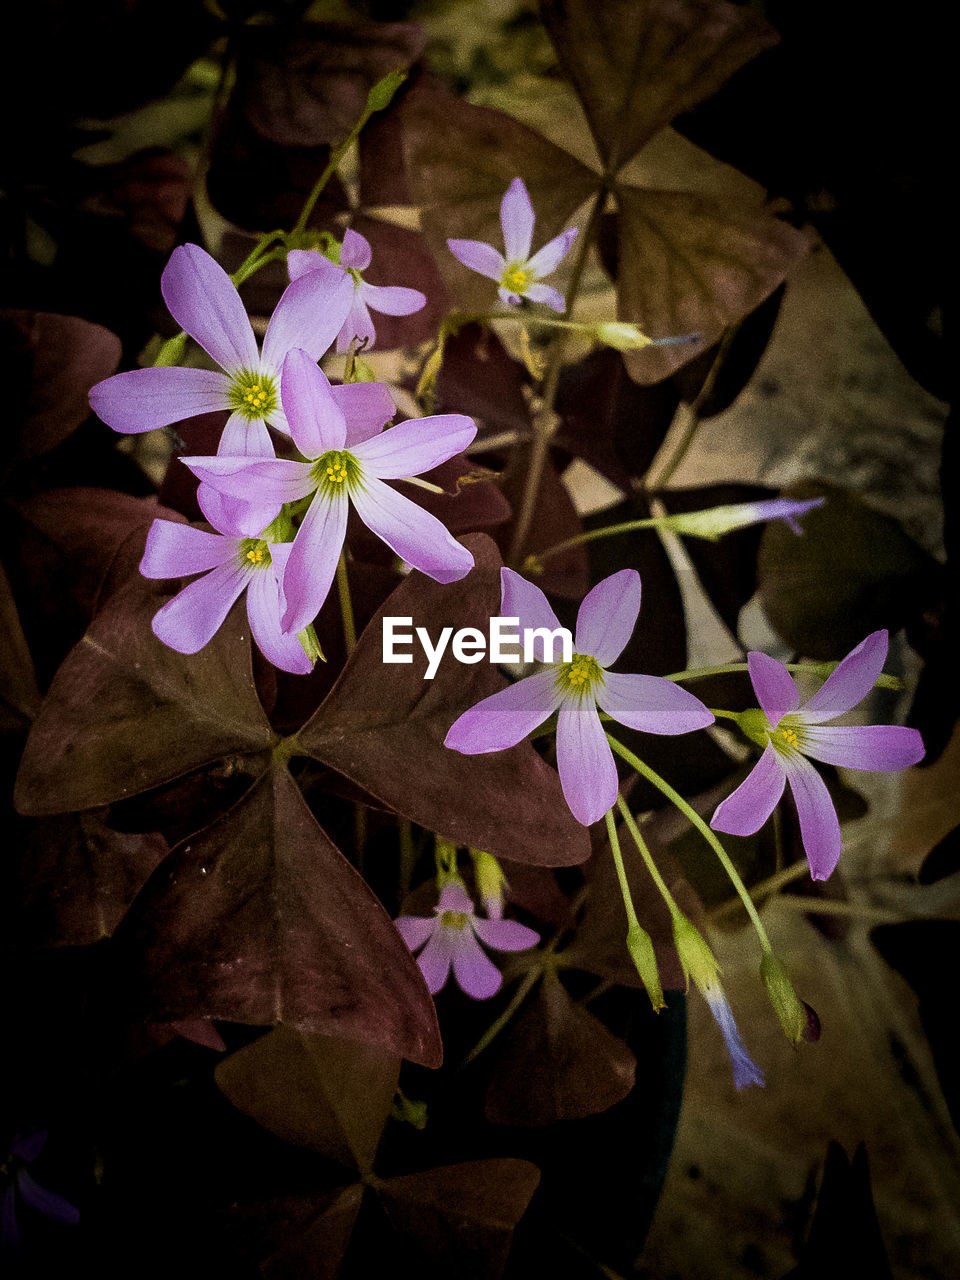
(614, 839)
(647, 856)
(346, 605)
(693, 817)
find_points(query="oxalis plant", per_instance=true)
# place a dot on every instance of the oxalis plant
(354, 759)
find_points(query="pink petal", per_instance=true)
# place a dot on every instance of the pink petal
(178, 550)
(414, 446)
(516, 219)
(308, 316)
(145, 399)
(877, 748)
(774, 686)
(302, 261)
(358, 325)
(434, 960)
(850, 682)
(608, 615)
(651, 703)
(747, 809)
(479, 257)
(588, 774)
(475, 972)
(192, 618)
(416, 930)
(367, 408)
(246, 438)
(413, 533)
(552, 254)
(547, 294)
(505, 935)
(392, 300)
(203, 300)
(312, 562)
(355, 251)
(264, 606)
(509, 297)
(522, 599)
(454, 897)
(277, 479)
(819, 827)
(315, 419)
(506, 717)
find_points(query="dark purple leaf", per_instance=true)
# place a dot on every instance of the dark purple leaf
(19, 696)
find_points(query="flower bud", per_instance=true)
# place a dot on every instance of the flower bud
(789, 1009)
(621, 336)
(491, 882)
(696, 958)
(171, 353)
(640, 946)
(716, 521)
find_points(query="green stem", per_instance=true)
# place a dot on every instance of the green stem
(614, 839)
(544, 425)
(627, 526)
(693, 817)
(645, 853)
(346, 605)
(526, 986)
(821, 669)
(692, 412)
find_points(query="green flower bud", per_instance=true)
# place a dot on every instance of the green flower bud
(491, 882)
(171, 353)
(640, 946)
(698, 961)
(788, 1007)
(620, 335)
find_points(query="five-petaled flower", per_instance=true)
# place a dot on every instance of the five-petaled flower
(389, 300)
(230, 564)
(347, 463)
(450, 938)
(790, 732)
(517, 274)
(575, 689)
(203, 300)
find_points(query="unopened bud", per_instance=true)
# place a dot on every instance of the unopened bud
(171, 353)
(640, 946)
(491, 882)
(787, 1006)
(696, 958)
(716, 521)
(621, 336)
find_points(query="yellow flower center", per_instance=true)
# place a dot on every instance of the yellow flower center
(253, 395)
(580, 674)
(336, 471)
(255, 553)
(790, 736)
(454, 920)
(516, 278)
(787, 737)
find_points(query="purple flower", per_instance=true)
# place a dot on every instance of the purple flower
(716, 521)
(22, 1186)
(517, 274)
(203, 300)
(449, 937)
(230, 564)
(790, 733)
(348, 462)
(355, 257)
(745, 1070)
(575, 689)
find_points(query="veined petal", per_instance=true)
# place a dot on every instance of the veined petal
(547, 294)
(414, 534)
(524, 600)
(236, 516)
(516, 219)
(144, 399)
(313, 558)
(416, 930)
(177, 550)
(588, 774)
(505, 935)
(245, 438)
(506, 717)
(264, 607)
(877, 748)
(367, 407)
(434, 960)
(608, 615)
(355, 250)
(850, 682)
(417, 445)
(819, 826)
(192, 618)
(308, 316)
(358, 325)
(278, 479)
(479, 257)
(204, 301)
(747, 809)
(651, 703)
(302, 261)
(475, 972)
(774, 686)
(315, 419)
(392, 300)
(552, 254)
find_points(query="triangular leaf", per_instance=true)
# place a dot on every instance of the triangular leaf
(384, 726)
(636, 64)
(331, 1095)
(260, 919)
